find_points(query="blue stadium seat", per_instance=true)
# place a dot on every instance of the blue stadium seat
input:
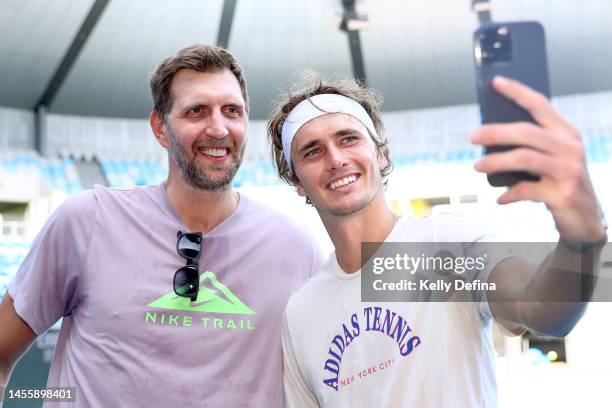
(58, 175)
(13, 249)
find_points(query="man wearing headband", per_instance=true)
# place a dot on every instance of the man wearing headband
(171, 295)
(328, 141)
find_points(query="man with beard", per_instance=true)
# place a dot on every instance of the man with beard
(171, 295)
(339, 351)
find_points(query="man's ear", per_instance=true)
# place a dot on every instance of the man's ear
(159, 129)
(300, 189)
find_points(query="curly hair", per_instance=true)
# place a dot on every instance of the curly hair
(309, 85)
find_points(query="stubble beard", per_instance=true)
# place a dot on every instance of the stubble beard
(346, 210)
(343, 211)
(194, 174)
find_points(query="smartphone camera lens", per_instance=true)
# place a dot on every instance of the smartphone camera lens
(496, 45)
(502, 30)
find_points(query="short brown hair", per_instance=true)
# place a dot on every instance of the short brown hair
(199, 57)
(311, 84)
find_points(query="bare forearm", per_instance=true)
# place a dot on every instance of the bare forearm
(548, 298)
(565, 283)
(560, 289)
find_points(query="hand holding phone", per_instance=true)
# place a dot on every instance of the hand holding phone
(539, 144)
(513, 50)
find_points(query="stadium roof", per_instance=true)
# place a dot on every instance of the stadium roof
(417, 53)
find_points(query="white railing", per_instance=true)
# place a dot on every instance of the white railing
(13, 227)
(416, 131)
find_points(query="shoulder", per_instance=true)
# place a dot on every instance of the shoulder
(129, 200)
(72, 219)
(310, 292)
(264, 218)
(83, 207)
(258, 208)
(461, 227)
(124, 193)
(449, 226)
(444, 227)
(83, 204)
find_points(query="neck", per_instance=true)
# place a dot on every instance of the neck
(370, 224)
(200, 210)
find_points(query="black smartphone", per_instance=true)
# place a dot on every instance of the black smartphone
(515, 50)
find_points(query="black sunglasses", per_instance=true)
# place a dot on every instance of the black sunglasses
(187, 279)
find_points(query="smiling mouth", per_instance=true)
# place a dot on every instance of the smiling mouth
(214, 151)
(344, 181)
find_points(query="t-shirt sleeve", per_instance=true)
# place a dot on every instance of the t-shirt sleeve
(296, 393)
(46, 286)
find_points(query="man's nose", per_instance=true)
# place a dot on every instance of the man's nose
(335, 158)
(216, 125)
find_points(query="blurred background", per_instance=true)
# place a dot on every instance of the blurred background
(74, 106)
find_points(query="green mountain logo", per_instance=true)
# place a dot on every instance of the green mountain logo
(213, 297)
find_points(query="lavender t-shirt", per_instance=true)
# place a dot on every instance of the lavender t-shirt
(106, 259)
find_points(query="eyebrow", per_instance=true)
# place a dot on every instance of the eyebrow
(346, 131)
(338, 133)
(206, 102)
(308, 145)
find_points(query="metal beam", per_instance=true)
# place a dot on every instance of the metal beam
(482, 8)
(356, 57)
(40, 130)
(73, 52)
(349, 16)
(225, 25)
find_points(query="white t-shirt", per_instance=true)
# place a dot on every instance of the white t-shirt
(342, 352)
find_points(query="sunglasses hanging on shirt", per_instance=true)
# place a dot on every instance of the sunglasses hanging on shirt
(187, 279)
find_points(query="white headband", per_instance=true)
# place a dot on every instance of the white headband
(320, 105)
